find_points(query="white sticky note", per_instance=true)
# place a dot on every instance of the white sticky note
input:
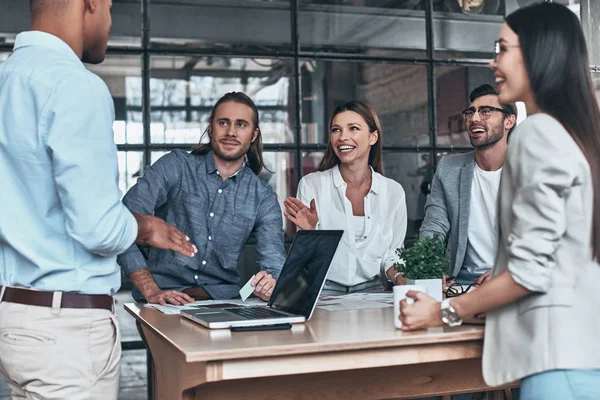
(247, 290)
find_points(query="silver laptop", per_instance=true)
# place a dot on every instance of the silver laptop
(296, 291)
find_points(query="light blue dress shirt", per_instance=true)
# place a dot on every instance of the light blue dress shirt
(62, 222)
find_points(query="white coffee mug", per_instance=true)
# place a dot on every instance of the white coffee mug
(400, 294)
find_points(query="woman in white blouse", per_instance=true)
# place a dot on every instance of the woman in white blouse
(350, 193)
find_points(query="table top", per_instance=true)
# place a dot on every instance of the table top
(326, 331)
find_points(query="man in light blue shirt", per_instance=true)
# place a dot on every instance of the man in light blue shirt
(62, 223)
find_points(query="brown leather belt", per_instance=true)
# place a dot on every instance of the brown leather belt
(69, 299)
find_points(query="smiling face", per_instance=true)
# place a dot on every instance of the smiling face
(485, 133)
(350, 138)
(232, 131)
(509, 68)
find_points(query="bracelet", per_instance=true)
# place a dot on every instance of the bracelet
(396, 277)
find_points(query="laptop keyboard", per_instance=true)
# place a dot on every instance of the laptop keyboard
(256, 312)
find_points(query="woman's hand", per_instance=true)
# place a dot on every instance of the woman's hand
(303, 217)
(423, 313)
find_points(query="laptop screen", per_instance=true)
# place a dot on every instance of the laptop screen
(304, 271)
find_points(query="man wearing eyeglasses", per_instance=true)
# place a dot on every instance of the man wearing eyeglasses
(461, 208)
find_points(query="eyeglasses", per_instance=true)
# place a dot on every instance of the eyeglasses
(456, 289)
(485, 112)
(498, 47)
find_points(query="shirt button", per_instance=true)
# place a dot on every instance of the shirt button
(220, 190)
(210, 237)
(364, 237)
(204, 262)
(195, 276)
(212, 214)
(218, 173)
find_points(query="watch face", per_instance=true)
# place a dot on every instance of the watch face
(449, 317)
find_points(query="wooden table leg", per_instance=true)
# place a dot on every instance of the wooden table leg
(173, 378)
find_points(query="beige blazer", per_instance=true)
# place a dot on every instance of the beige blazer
(545, 216)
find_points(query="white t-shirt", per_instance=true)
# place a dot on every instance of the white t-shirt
(482, 242)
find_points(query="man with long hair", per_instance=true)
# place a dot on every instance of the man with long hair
(62, 220)
(462, 206)
(215, 194)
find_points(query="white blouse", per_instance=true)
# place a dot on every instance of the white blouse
(358, 261)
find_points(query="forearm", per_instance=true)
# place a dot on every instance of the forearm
(496, 293)
(143, 280)
(144, 227)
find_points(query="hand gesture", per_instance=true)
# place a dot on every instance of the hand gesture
(303, 217)
(263, 284)
(164, 297)
(157, 233)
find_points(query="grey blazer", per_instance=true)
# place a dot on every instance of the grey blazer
(545, 214)
(447, 208)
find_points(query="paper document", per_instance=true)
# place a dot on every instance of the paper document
(175, 310)
(356, 301)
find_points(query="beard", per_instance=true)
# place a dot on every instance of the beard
(229, 156)
(493, 136)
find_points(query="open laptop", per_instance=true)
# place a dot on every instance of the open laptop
(296, 291)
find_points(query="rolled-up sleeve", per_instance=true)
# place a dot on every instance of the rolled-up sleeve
(269, 236)
(150, 192)
(84, 163)
(542, 178)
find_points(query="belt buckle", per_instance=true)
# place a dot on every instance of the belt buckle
(56, 302)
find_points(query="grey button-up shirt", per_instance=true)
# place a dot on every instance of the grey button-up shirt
(186, 191)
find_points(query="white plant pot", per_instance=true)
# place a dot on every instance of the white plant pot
(433, 286)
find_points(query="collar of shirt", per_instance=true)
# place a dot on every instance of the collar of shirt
(338, 180)
(47, 40)
(211, 167)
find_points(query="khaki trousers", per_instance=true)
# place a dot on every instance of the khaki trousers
(59, 354)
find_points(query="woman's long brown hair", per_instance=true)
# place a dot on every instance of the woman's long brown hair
(330, 159)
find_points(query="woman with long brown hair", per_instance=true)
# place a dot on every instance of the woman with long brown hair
(542, 303)
(349, 192)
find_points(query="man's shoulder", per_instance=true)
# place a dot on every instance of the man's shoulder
(51, 70)
(456, 160)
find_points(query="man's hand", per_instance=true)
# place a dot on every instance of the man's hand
(303, 217)
(483, 278)
(157, 233)
(447, 282)
(164, 297)
(423, 313)
(263, 284)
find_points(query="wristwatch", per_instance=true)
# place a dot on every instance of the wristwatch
(449, 316)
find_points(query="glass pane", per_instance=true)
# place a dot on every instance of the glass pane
(397, 92)
(413, 171)
(122, 75)
(230, 24)
(368, 27)
(310, 161)
(131, 167)
(280, 173)
(452, 94)
(185, 89)
(155, 155)
(125, 30)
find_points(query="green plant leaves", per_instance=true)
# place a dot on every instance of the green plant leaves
(425, 259)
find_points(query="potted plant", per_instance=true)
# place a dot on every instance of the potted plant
(425, 263)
